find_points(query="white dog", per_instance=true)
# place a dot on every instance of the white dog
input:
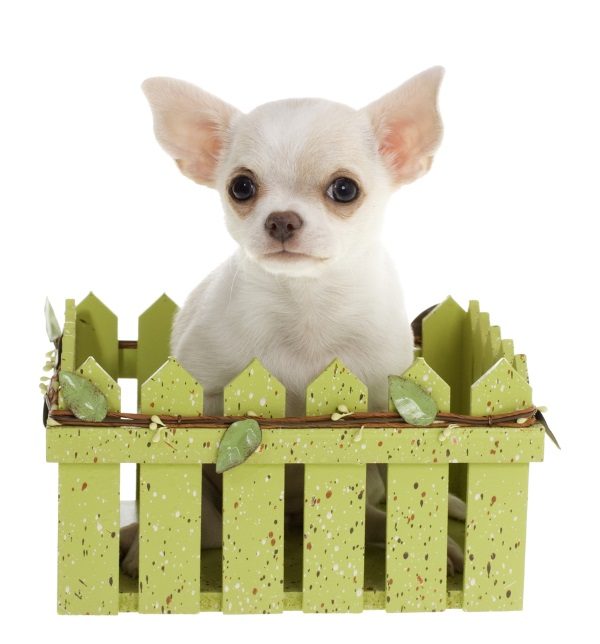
(304, 183)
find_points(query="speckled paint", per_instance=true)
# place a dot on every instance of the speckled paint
(91, 370)
(334, 506)
(421, 373)
(172, 390)
(520, 364)
(313, 445)
(495, 537)
(88, 510)
(417, 528)
(169, 575)
(335, 386)
(174, 577)
(170, 502)
(88, 539)
(253, 506)
(501, 389)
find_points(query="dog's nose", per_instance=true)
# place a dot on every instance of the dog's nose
(282, 225)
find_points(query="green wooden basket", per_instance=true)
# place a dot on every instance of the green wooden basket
(263, 567)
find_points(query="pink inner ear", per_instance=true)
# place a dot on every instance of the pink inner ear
(400, 147)
(396, 145)
(201, 159)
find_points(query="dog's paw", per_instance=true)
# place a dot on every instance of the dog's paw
(456, 558)
(457, 508)
(129, 549)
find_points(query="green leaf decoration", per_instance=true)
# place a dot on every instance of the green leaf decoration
(413, 403)
(239, 441)
(52, 326)
(82, 397)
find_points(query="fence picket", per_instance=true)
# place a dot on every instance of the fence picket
(334, 508)
(253, 506)
(88, 521)
(91, 370)
(496, 504)
(96, 334)
(170, 502)
(154, 333)
(417, 523)
(417, 529)
(442, 347)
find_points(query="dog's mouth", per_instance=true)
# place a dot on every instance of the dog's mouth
(291, 256)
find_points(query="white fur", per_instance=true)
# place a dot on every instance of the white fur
(335, 293)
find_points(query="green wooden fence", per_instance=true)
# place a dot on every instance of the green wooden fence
(467, 368)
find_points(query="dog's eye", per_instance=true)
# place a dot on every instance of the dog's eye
(242, 188)
(343, 190)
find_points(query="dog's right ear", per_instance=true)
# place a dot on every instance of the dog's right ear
(190, 124)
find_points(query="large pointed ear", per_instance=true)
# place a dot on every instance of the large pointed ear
(190, 124)
(407, 125)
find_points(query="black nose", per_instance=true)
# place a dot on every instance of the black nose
(282, 225)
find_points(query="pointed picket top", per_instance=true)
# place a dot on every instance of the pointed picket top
(94, 372)
(501, 389)
(172, 390)
(96, 334)
(520, 363)
(255, 390)
(443, 331)
(508, 350)
(154, 336)
(335, 386)
(424, 376)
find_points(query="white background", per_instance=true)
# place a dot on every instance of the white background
(90, 202)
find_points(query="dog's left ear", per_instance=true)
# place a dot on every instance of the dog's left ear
(408, 126)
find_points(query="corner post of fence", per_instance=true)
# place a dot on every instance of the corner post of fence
(496, 503)
(88, 521)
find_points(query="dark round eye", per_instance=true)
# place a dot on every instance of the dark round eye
(242, 188)
(343, 190)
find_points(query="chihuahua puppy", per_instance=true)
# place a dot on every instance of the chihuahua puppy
(303, 183)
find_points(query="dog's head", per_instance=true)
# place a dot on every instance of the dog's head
(303, 181)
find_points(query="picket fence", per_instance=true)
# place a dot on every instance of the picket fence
(465, 365)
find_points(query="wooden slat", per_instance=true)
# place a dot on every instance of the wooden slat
(170, 503)
(91, 370)
(97, 334)
(253, 506)
(334, 508)
(88, 539)
(495, 537)
(500, 390)
(442, 346)
(169, 575)
(417, 529)
(154, 333)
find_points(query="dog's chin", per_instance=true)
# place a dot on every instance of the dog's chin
(291, 263)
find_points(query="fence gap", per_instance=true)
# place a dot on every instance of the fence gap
(294, 482)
